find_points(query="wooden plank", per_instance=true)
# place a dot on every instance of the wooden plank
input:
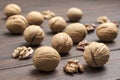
(91, 10)
(110, 71)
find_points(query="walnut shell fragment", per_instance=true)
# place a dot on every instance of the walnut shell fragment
(22, 52)
(73, 66)
(82, 45)
(48, 14)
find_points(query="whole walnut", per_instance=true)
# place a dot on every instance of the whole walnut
(16, 24)
(35, 18)
(57, 24)
(12, 9)
(62, 42)
(74, 14)
(107, 31)
(46, 58)
(76, 31)
(96, 54)
(34, 35)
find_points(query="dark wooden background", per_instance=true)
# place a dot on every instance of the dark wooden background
(13, 69)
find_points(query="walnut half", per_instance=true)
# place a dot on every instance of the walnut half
(48, 14)
(73, 66)
(90, 27)
(102, 19)
(82, 45)
(22, 52)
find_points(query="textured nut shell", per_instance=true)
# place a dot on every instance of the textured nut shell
(12, 9)
(107, 31)
(46, 58)
(34, 35)
(57, 24)
(16, 24)
(76, 31)
(62, 42)
(96, 54)
(35, 18)
(74, 14)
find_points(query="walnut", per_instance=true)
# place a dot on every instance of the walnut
(96, 54)
(22, 52)
(76, 31)
(73, 66)
(48, 14)
(74, 14)
(90, 27)
(107, 32)
(102, 19)
(82, 45)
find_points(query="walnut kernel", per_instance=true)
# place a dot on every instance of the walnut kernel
(73, 66)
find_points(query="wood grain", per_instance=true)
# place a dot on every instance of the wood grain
(12, 69)
(110, 71)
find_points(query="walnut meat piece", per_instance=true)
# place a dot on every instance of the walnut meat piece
(90, 27)
(48, 14)
(73, 66)
(22, 52)
(102, 19)
(82, 45)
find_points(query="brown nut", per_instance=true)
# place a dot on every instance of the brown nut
(34, 35)
(48, 14)
(46, 58)
(35, 18)
(74, 14)
(73, 66)
(12, 9)
(107, 31)
(62, 42)
(16, 24)
(57, 24)
(76, 31)
(96, 54)
(102, 19)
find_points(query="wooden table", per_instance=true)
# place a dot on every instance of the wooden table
(14, 69)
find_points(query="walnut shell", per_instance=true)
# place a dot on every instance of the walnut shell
(74, 14)
(35, 18)
(34, 35)
(76, 31)
(16, 24)
(107, 31)
(12, 9)
(46, 58)
(96, 54)
(57, 24)
(62, 42)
